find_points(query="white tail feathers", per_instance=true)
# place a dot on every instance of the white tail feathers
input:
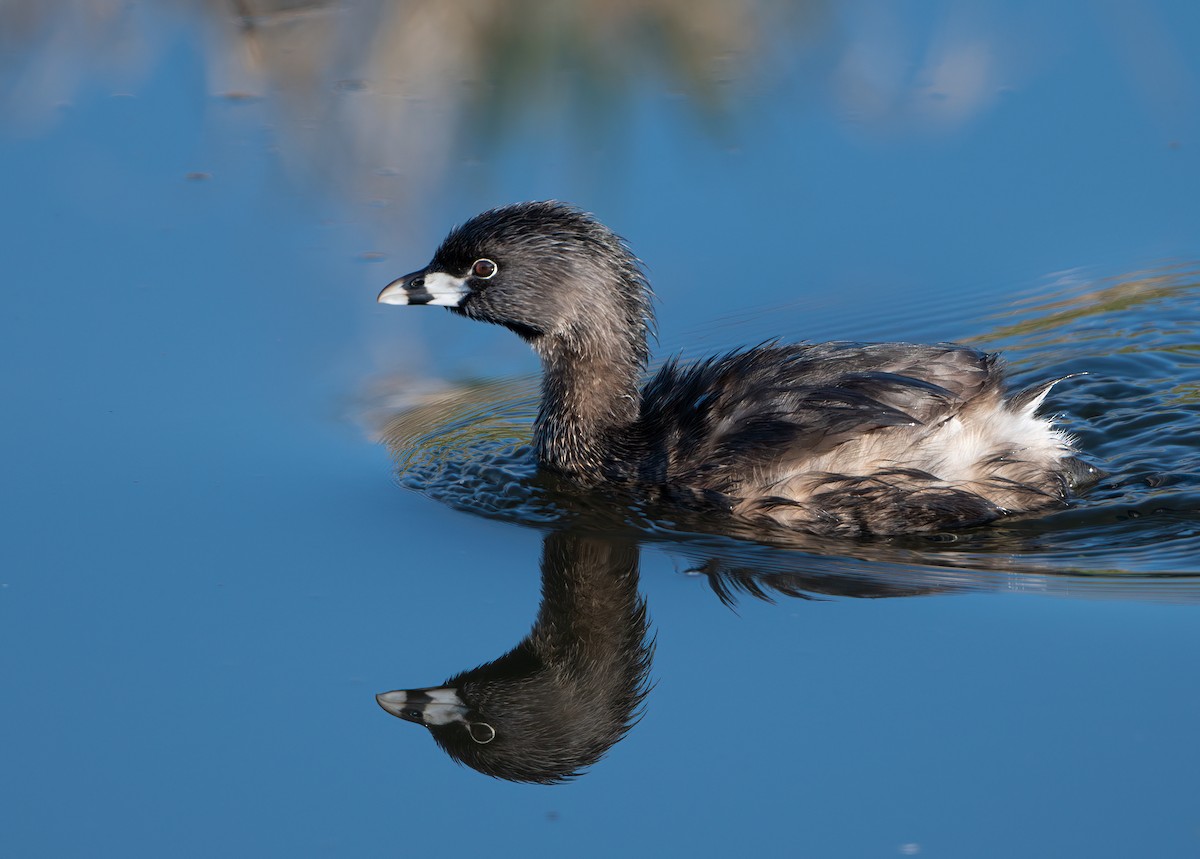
(1029, 400)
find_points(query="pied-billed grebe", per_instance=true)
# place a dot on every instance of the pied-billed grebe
(833, 438)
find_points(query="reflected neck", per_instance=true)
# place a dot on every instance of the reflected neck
(592, 624)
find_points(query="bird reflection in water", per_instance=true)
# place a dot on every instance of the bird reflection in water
(556, 702)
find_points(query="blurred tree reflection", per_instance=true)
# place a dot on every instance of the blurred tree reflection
(380, 98)
(371, 91)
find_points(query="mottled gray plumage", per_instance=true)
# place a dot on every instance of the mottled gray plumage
(833, 438)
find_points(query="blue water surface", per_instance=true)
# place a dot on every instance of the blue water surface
(214, 553)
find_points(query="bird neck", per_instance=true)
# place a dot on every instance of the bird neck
(590, 399)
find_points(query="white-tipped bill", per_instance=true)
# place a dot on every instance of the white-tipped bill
(426, 287)
(424, 706)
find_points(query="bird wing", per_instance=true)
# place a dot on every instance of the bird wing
(711, 423)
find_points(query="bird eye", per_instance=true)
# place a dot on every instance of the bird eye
(483, 268)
